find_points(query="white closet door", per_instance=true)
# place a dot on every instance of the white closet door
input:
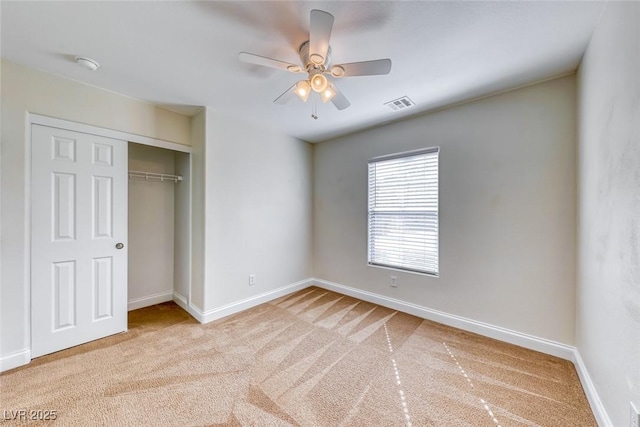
(79, 232)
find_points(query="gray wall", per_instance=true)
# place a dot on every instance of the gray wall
(608, 299)
(507, 210)
(258, 204)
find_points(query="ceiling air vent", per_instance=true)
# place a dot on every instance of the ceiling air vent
(400, 103)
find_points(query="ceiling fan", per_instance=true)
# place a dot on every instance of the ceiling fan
(315, 55)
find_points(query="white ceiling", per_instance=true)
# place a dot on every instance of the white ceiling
(185, 54)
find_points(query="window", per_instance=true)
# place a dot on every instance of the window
(403, 211)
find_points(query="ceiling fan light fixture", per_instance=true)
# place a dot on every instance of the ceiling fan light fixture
(319, 83)
(302, 90)
(337, 71)
(315, 62)
(328, 94)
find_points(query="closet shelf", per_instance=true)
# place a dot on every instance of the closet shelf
(153, 175)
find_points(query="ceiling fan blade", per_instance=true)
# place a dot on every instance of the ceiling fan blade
(319, 35)
(339, 100)
(285, 97)
(268, 62)
(365, 68)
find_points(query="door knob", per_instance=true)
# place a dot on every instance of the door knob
(119, 245)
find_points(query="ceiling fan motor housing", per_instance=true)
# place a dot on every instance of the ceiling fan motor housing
(309, 65)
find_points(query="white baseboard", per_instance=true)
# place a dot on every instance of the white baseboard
(235, 307)
(523, 340)
(15, 359)
(194, 311)
(149, 300)
(590, 390)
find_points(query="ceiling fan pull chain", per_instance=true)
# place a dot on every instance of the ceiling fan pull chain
(314, 111)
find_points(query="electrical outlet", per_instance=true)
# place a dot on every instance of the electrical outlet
(635, 416)
(252, 279)
(394, 282)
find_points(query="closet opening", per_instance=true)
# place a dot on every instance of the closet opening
(158, 225)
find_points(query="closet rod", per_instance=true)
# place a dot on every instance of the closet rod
(153, 175)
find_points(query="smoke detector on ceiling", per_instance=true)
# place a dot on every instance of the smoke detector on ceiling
(88, 63)
(400, 103)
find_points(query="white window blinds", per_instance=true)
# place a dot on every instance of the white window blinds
(403, 211)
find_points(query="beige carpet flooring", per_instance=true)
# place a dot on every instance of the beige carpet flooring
(313, 358)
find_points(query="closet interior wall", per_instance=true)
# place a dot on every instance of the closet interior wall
(182, 231)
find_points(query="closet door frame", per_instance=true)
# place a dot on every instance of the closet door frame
(37, 119)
